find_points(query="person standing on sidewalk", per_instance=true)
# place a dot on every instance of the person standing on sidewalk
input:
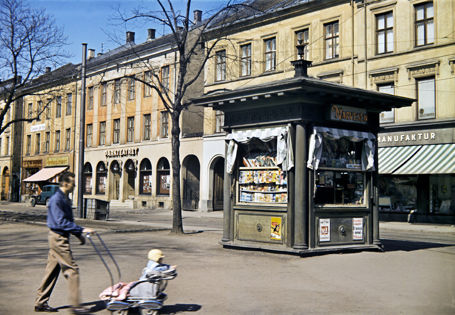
(61, 224)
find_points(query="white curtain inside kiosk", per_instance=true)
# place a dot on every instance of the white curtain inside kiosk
(316, 147)
(285, 155)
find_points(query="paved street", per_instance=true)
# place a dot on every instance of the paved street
(415, 275)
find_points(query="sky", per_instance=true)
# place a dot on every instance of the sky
(96, 22)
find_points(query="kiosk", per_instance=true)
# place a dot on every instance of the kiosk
(301, 164)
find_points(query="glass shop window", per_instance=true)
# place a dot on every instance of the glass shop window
(341, 153)
(442, 194)
(260, 180)
(335, 187)
(397, 193)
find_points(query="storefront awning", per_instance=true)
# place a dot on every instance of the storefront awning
(430, 159)
(391, 158)
(45, 174)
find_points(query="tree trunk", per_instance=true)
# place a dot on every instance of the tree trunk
(177, 224)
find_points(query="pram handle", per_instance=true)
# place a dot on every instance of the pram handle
(89, 236)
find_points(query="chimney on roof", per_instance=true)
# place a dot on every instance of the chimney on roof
(151, 33)
(48, 69)
(197, 16)
(130, 37)
(91, 54)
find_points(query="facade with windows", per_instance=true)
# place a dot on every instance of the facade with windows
(405, 48)
(128, 129)
(49, 137)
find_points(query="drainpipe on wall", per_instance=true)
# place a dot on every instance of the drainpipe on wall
(366, 46)
(80, 191)
(352, 42)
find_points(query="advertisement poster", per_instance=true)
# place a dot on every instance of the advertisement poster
(324, 230)
(276, 228)
(357, 229)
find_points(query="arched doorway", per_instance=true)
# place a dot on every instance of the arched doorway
(191, 181)
(145, 174)
(101, 177)
(163, 177)
(5, 183)
(217, 173)
(114, 180)
(130, 180)
(88, 174)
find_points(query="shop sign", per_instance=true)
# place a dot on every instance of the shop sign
(357, 229)
(324, 230)
(39, 127)
(121, 152)
(417, 137)
(32, 163)
(348, 114)
(57, 161)
(276, 227)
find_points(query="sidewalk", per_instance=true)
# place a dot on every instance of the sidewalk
(128, 220)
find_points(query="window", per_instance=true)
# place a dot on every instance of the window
(30, 110)
(145, 173)
(7, 146)
(57, 141)
(219, 121)
(101, 178)
(40, 109)
(58, 108)
(164, 124)
(148, 79)
(28, 144)
(388, 116)
(116, 131)
(165, 77)
(102, 133)
(245, 60)
(103, 94)
(220, 66)
(130, 129)
(88, 139)
(270, 54)
(90, 98)
(163, 177)
(87, 179)
(147, 126)
(424, 24)
(68, 139)
(131, 89)
(38, 143)
(117, 91)
(303, 37)
(384, 33)
(426, 98)
(48, 108)
(47, 142)
(69, 103)
(332, 40)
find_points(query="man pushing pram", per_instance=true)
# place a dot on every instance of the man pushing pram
(147, 293)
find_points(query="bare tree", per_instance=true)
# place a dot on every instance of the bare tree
(192, 54)
(29, 42)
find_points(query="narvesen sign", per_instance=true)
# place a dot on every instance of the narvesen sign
(348, 114)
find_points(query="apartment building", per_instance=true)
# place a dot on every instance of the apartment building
(48, 146)
(402, 47)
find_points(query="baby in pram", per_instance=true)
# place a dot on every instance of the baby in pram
(151, 284)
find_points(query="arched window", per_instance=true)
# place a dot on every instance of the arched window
(88, 174)
(163, 177)
(101, 176)
(145, 173)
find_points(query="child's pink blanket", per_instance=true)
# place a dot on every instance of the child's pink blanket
(118, 292)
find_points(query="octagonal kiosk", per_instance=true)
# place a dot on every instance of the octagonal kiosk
(301, 165)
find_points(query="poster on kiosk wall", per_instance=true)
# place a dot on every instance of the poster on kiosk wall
(357, 229)
(324, 230)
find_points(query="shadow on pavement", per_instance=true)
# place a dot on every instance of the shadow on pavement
(177, 308)
(400, 245)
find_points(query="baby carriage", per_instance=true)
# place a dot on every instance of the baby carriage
(145, 296)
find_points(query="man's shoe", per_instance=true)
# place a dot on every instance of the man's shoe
(45, 308)
(81, 311)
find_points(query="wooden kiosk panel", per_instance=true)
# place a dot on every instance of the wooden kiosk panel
(260, 227)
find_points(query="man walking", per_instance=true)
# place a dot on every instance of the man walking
(60, 221)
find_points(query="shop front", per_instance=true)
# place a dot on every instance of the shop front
(417, 174)
(301, 165)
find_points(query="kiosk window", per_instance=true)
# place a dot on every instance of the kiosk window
(336, 187)
(341, 153)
